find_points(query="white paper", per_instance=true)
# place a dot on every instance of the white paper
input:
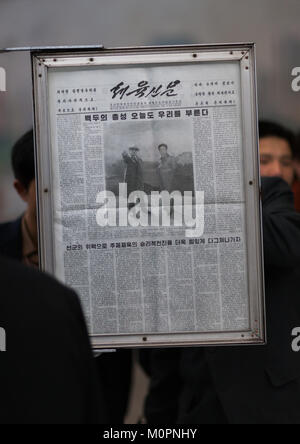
(151, 279)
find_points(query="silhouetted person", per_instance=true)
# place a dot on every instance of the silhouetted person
(242, 385)
(47, 374)
(18, 240)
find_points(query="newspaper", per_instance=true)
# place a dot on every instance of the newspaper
(152, 130)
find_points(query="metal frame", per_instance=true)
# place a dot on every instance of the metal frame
(42, 61)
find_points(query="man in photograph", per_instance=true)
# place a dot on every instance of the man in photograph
(166, 169)
(134, 175)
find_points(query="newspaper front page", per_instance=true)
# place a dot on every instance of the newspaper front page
(117, 130)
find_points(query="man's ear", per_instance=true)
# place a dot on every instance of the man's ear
(21, 190)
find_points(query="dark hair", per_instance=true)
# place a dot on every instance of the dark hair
(23, 159)
(272, 129)
(162, 145)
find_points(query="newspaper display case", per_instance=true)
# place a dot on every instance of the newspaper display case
(119, 130)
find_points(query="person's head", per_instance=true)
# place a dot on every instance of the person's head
(133, 150)
(277, 151)
(24, 170)
(297, 157)
(163, 149)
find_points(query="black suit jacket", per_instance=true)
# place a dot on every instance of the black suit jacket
(11, 239)
(47, 374)
(114, 369)
(259, 384)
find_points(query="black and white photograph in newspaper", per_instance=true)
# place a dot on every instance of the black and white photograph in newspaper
(149, 156)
